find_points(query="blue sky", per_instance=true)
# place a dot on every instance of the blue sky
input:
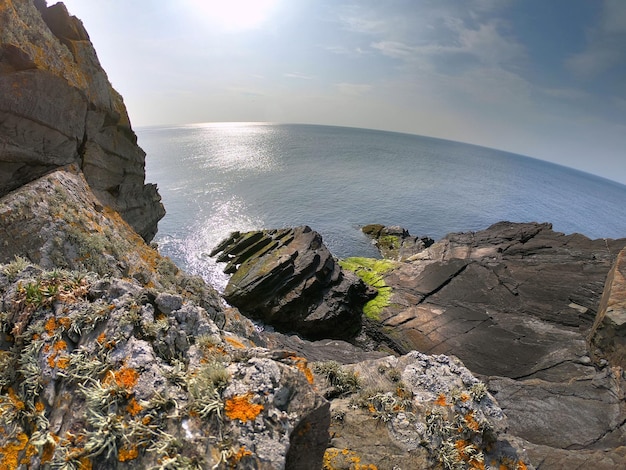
(543, 78)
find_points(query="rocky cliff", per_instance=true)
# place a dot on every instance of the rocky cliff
(112, 357)
(57, 107)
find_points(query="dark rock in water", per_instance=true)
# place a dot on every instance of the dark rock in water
(290, 280)
(395, 242)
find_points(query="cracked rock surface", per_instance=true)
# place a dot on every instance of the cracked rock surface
(516, 303)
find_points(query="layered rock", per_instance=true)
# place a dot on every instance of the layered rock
(57, 107)
(515, 303)
(289, 279)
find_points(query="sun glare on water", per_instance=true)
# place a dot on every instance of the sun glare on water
(234, 15)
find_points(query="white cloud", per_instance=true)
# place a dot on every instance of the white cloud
(299, 76)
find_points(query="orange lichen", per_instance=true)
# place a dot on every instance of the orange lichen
(10, 452)
(48, 452)
(233, 342)
(85, 463)
(240, 454)
(125, 454)
(51, 325)
(441, 400)
(39, 407)
(521, 466)
(59, 346)
(65, 322)
(124, 378)
(460, 448)
(17, 403)
(302, 365)
(471, 422)
(63, 362)
(345, 458)
(464, 397)
(239, 407)
(133, 407)
(101, 338)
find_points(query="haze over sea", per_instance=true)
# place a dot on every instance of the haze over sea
(221, 177)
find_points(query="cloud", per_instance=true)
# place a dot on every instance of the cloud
(353, 89)
(605, 47)
(299, 76)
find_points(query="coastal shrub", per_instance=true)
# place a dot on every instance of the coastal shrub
(371, 271)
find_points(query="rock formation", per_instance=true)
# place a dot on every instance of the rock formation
(395, 242)
(111, 357)
(57, 107)
(516, 303)
(290, 280)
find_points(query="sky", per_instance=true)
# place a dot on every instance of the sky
(542, 78)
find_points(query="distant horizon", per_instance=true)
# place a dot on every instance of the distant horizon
(530, 77)
(173, 125)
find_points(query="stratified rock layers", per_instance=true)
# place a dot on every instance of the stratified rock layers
(57, 107)
(289, 279)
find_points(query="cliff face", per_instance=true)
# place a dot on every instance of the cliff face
(57, 107)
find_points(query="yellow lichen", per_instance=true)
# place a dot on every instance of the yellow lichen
(239, 407)
(133, 407)
(10, 452)
(302, 365)
(125, 454)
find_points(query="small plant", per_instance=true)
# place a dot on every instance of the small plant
(15, 267)
(343, 381)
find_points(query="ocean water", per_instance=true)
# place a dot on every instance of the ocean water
(217, 178)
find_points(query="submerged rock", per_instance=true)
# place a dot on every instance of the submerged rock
(289, 279)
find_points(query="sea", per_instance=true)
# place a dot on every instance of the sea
(217, 178)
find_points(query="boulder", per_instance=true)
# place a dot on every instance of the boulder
(414, 411)
(288, 279)
(395, 242)
(57, 107)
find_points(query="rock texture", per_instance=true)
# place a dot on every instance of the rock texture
(608, 336)
(414, 411)
(290, 280)
(515, 303)
(57, 107)
(395, 242)
(104, 373)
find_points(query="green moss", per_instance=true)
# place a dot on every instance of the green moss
(371, 271)
(391, 242)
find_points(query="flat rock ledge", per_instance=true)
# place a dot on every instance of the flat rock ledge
(288, 279)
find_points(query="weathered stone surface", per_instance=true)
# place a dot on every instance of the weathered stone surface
(95, 374)
(607, 337)
(57, 107)
(414, 411)
(395, 242)
(515, 303)
(57, 222)
(289, 279)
